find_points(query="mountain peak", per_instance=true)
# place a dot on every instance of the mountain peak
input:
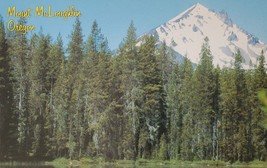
(194, 9)
(186, 32)
(199, 5)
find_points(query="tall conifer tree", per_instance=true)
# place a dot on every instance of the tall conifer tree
(19, 56)
(8, 119)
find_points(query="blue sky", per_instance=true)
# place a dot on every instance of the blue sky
(114, 16)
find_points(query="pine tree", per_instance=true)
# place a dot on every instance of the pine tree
(61, 91)
(38, 93)
(183, 118)
(3, 94)
(242, 115)
(257, 82)
(154, 116)
(172, 111)
(204, 107)
(235, 114)
(166, 62)
(19, 56)
(55, 59)
(260, 81)
(218, 115)
(227, 106)
(73, 66)
(131, 93)
(98, 103)
(75, 46)
(8, 119)
(91, 62)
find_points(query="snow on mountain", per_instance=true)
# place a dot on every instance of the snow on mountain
(185, 34)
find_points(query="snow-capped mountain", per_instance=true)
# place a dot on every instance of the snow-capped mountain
(185, 34)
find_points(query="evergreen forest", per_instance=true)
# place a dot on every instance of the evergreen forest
(139, 102)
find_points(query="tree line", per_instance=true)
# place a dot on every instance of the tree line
(137, 103)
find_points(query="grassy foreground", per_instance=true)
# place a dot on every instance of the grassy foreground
(87, 162)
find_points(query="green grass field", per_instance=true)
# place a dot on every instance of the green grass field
(143, 163)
